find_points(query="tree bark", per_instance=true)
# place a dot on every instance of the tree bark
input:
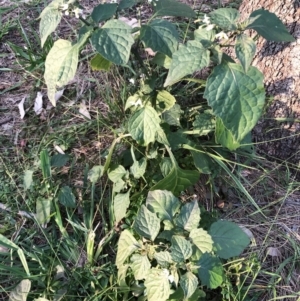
(280, 64)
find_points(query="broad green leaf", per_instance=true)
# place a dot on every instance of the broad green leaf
(188, 283)
(98, 62)
(127, 244)
(122, 273)
(157, 285)
(164, 101)
(229, 239)
(186, 60)
(140, 265)
(204, 36)
(189, 216)
(118, 186)
(245, 49)
(113, 41)
(116, 173)
(165, 166)
(162, 60)
(161, 36)
(172, 116)
(161, 137)
(225, 18)
(59, 160)
(50, 18)
(172, 8)
(181, 249)
(121, 203)
(225, 137)
(177, 139)
(202, 240)
(66, 197)
(126, 4)
(103, 12)
(143, 125)
(163, 203)
(21, 291)
(28, 179)
(269, 26)
(45, 164)
(236, 97)
(203, 162)
(95, 173)
(60, 66)
(43, 211)
(178, 179)
(146, 224)
(211, 271)
(204, 124)
(138, 168)
(163, 258)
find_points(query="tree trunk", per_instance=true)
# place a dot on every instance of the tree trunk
(280, 63)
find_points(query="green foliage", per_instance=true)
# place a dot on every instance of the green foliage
(160, 260)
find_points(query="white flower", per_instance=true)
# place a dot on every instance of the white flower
(171, 278)
(206, 19)
(210, 27)
(113, 1)
(138, 103)
(77, 11)
(64, 6)
(149, 1)
(222, 36)
(166, 272)
(132, 81)
(67, 13)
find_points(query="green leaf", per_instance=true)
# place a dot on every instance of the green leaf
(204, 124)
(225, 18)
(28, 179)
(122, 273)
(211, 271)
(163, 203)
(121, 203)
(225, 137)
(21, 291)
(181, 249)
(95, 173)
(165, 166)
(162, 60)
(103, 12)
(138, 168)
(140, 266)
(172, 116)
(178, 179)
(236, 97)
(188, 59)
(229, 239)
(163, 258)
(164, 101)
(59, 160)
(157, 285)
(45, 164)
(203, 162)
(43, 211)
(66, 197)
(146, 224)
(98, 62)
(269, 26)
(143, 125)
(127, 244)
(7, 243)
(202, 240)
(116, 173)
(126, 4)
(205, 37)
(189, 284)
(172, 8)
(113, 41)
(189, 216)
(60, 66)
(50, 18)
(161, 36)
(245, 49)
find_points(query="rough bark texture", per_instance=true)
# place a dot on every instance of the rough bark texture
(280, 63)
